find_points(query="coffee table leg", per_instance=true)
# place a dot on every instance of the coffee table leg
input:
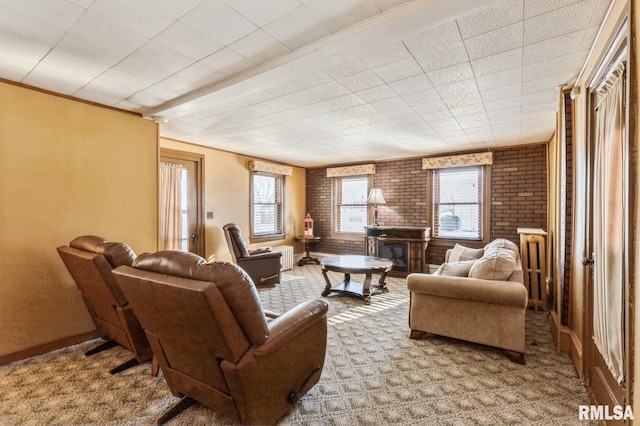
(382, 285)
(327, 289)
(365, 288)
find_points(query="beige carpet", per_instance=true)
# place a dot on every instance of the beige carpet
(373, 375)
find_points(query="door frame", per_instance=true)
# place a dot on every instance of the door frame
(171, 154)
(602, 388)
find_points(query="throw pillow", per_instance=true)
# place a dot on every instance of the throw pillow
(455, 269)
(496, 265)
(460, 253)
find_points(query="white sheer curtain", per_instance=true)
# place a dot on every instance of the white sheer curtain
(608, 226)
(170, 206)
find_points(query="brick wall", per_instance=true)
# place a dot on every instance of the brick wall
(519, 198)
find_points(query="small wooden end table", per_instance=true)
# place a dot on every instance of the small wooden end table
(356, 264)
(307, 259)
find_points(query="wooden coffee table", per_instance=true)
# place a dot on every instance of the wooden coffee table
(356, 264)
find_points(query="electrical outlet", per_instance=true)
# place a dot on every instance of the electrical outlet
(209, 215)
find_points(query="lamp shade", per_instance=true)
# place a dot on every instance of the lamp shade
(375, 196)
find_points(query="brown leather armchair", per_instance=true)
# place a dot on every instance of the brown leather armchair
(90, 260)
(263, 265)
(214, 342)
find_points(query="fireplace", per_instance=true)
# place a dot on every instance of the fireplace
(397, 252)
(405, 246)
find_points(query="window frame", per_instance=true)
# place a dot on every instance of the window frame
(280, 195)
(336, 188)
(485, 211)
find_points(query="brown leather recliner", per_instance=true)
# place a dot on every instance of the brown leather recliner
(214, 342)
(263, 265)
(90, 260)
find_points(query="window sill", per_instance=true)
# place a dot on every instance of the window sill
(265, 238)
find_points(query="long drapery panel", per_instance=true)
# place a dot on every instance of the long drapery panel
(609, 223)
(170, 206)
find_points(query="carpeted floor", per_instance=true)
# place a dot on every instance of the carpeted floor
(374, 374)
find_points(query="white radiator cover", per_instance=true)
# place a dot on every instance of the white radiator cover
(287, 256)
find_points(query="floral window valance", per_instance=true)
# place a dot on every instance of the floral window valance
(360, 169)
(263, 166)
(464, 160)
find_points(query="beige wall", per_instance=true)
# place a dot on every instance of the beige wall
(227, 195)
(67, 168)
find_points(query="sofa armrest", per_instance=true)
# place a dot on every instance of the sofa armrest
(486, 291)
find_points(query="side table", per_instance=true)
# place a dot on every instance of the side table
(307, 259)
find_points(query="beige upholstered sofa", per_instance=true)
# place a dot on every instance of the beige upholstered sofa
(477, 295)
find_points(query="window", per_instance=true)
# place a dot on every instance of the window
(458, 199)
(266, 205)
(350, 201)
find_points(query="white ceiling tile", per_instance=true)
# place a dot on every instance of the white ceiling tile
(21, 49)
(451, 74)
(153, 62)
(329, 90)
(421, 97)
(495, 63)
(389, 104)
(347, 101)
(557, 22)
(441, 56)
(549, 67)
(188, 41)
(377, 56)
(463, 100)
(491, 18)
(153, 95)
(228, 61)
(218, 21)
(297, 28)
(339, 14)
(502, 78)
(458, 88)
(503, 92)
(554, 47)
(59, 79)
(259, 47)
(261, 12)
(192, 78)
(468, 110)
(430, 107)
(509, 103)
(311, 79)
(496, 41)
(538, 7)
(411, 85)
(361, 81)
(376, 93)
(100, 40)
(175, 9)
(346, 67)
(139, 17)
(58, 13)
(398, 70)
(543, 84)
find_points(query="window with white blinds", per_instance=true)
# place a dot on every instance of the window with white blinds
(350, 201)
(267, 204)
(458, 203)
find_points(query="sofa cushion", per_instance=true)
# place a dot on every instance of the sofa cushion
(461, 253)
(498, 262)
(455, 269)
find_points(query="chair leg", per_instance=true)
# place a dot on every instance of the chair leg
(182, 405)
(102, 347)
(155, 366)
(517, 357)
(415, 334)
(131, 363)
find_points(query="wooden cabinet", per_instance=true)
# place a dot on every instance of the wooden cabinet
(405, 246)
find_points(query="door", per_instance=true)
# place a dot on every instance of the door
(607, 344)
(181, 207)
